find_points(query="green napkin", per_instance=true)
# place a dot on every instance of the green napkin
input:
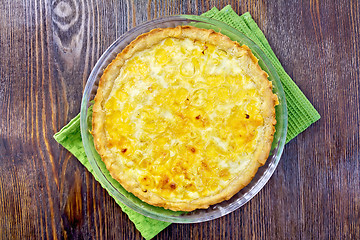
(301, 113)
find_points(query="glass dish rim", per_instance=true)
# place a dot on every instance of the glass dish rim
(86, 98)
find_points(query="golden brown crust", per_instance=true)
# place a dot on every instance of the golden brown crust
(145, 41)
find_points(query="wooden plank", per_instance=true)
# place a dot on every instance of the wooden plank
(48, 49)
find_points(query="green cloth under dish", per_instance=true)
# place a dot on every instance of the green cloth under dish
(301, 113)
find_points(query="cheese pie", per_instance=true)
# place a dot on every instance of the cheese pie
(184, 117)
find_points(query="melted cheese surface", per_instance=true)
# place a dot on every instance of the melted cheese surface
(183, 118)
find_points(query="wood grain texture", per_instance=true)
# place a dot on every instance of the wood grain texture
(48, 49)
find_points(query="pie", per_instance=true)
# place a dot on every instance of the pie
(184, 117)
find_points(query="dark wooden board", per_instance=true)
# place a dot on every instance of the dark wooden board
(48, 49)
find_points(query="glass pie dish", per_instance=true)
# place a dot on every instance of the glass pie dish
(200, 215)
